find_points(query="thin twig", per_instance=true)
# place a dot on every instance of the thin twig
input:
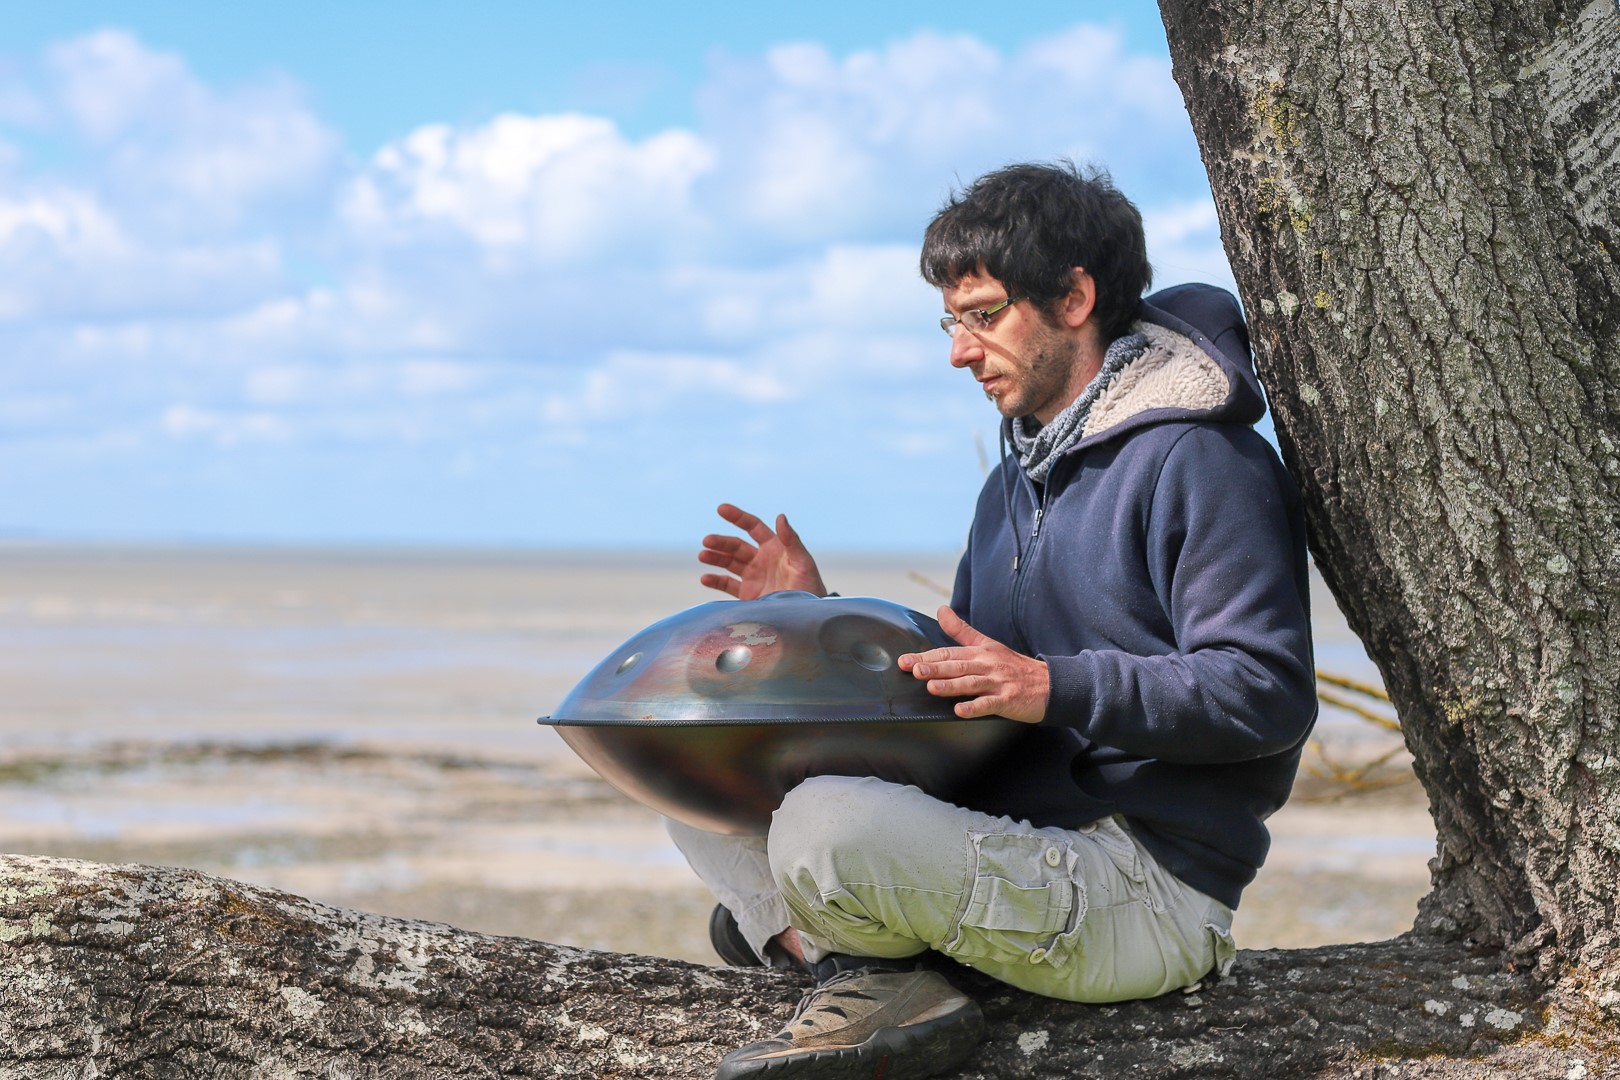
(1330, 698)
(929, 583)
(1345, 683)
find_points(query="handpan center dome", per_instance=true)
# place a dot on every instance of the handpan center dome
(712, 715)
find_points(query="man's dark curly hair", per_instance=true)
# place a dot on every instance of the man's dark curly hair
(1029, 225)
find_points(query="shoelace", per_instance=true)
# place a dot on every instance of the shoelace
(815, 999)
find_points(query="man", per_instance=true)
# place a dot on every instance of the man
(1134, 590)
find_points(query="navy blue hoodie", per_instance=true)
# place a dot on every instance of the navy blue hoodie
(1165, 587)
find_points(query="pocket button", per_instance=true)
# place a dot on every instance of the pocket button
(1037, 956)
(1054, 857)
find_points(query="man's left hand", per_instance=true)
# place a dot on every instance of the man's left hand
(998, 680)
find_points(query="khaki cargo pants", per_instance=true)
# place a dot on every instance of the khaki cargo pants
(871, 868)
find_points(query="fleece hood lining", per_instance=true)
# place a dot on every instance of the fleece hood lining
(1173, 372)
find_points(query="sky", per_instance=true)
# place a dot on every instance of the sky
(527, 274)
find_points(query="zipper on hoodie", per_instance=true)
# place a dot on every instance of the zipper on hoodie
(1016, 593)
(1034, 531)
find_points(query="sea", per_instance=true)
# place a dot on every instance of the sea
(358, 725)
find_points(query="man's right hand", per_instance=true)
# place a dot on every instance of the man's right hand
(774, 561)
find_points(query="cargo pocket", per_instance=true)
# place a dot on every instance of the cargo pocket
(1024, 898)
(1128, 884)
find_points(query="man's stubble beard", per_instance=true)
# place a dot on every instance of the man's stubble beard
(1044, 378)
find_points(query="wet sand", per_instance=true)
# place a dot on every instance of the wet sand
(358, 727)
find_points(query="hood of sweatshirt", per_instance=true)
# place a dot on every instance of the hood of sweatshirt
(1196, 364)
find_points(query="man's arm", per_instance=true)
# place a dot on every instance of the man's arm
(1225, 550)
(775, 560)
(1240, 684)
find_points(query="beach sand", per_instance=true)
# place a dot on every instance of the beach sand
(358, 727)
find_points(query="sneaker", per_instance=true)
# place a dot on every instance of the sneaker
(862, 1024)
(728, 941)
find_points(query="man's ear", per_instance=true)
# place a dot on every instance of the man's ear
(1075, 308)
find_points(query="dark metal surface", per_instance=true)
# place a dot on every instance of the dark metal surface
(712, 715)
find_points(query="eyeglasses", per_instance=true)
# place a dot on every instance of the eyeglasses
(978, 320)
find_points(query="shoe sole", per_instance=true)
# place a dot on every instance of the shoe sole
(728, 942)
(914, 1052)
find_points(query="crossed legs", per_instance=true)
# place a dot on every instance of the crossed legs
(863, 866)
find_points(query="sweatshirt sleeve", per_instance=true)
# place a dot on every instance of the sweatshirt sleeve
(962, 588)
(1225, 551)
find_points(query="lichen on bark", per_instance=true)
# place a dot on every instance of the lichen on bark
(158, 972)
(1452, 410)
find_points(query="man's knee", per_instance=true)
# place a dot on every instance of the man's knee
(828, 826)
(832, 827)
(824, 812)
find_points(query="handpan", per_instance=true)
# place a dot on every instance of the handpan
(712, 715)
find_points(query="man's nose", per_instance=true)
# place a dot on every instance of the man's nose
(965, 347)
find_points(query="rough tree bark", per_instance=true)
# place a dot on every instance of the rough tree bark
(1421, 203)
(112, 971)
(1420, 206)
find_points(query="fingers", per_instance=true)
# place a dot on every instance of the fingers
(985, 692)
(980, 706)
(1006, 700)
(974, 684)
(958, 672)
(728, 543)
(995, 680)
(957, 627)
(721, 583)
(911, 661)
(948, 667)
(747, 522)
(963, 678)
(773, 562)
(727, 551)
(731, 572)
(787, 534)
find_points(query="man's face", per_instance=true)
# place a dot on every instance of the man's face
(1026, 364)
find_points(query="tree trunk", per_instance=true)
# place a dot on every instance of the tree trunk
(159, 973)
(1421, 203)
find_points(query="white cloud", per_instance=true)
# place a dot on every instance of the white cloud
(203, 153)
(354, 324)
(359, 387)
(1091, 61)
(20, 104)
(797, 147)
(222, 429)
(1179, 222)
(166, 202)
(1184, 244)
(630, 384)
(811, 146)
(107, 81)
(64, 253)
(437, 378)
(557, 186)
(207, 267)
(277, 384)
(854, 290)
(70, 222)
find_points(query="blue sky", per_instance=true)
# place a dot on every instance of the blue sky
(527, 274)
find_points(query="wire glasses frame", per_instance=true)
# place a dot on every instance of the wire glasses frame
(979, 319)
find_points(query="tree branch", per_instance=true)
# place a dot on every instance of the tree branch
(145, 971)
